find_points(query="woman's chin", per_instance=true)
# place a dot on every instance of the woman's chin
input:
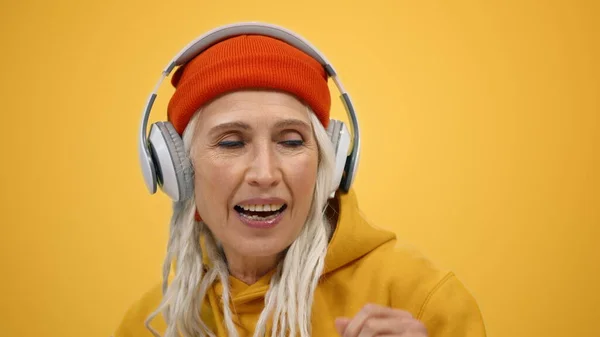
(258, 248)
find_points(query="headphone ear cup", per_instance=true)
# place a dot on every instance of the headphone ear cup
(173, 167)
(340, 139)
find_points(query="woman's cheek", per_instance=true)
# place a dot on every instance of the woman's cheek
(302, 170)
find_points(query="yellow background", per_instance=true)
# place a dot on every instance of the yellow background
(480, 124)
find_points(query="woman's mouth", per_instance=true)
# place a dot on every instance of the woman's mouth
(260, 215)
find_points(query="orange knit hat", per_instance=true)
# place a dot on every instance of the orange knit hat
(245, 62)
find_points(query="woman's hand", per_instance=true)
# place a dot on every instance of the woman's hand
(374, 320)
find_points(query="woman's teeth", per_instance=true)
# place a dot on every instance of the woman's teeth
(261, 208)
(260, 212)
(258, 217)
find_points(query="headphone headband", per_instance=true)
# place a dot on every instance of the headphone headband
(216, 35)
(219, 34)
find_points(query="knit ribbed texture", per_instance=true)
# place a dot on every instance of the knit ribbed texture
(248, 62)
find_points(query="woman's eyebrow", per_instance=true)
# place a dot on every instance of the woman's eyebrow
(228, 126)
(286, 123)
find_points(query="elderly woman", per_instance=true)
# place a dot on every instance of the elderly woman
(262, 247)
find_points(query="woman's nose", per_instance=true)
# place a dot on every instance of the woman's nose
(264, 170)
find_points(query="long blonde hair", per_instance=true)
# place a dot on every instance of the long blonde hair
(288, 302)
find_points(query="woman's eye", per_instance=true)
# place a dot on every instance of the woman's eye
(231, 144)
(293, 143)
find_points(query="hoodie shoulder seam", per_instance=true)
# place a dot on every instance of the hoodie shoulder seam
(433, 291)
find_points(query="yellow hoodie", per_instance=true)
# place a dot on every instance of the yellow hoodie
(363, 265)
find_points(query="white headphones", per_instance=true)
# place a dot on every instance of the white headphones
(162, 156)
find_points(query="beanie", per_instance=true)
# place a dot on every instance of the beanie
(248, 62)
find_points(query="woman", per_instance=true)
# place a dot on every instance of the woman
(260, 248)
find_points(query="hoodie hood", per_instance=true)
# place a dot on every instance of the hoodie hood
(354, 236)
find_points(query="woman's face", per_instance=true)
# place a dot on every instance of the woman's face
(255, 163)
